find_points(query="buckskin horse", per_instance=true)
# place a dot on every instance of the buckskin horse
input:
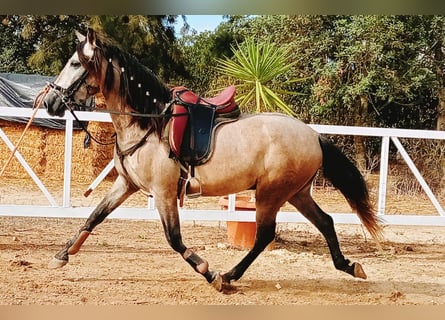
(280, 155)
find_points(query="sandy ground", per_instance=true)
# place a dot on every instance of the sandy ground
(128, 262)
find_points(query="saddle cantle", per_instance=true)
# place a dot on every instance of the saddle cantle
(191, 129)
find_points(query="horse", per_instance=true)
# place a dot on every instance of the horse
(280, 158)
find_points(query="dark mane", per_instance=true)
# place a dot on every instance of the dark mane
(139, 87)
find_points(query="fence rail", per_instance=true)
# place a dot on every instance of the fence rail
(149, 212)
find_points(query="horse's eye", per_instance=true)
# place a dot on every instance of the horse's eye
(75, 64)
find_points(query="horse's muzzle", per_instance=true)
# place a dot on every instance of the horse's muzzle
(54, 105)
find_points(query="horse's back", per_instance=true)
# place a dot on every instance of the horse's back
(270, 131)
(262, 145)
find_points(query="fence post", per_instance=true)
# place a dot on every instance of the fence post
(418, 176)
(67, 165)
(383, 175)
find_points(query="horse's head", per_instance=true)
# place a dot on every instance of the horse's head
(78, 80)
(99, 65)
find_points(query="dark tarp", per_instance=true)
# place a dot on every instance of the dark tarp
(20, 90)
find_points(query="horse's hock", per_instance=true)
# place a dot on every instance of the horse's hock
(241, 234)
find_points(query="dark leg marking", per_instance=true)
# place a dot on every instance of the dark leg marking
(325, 224)
(264, 236)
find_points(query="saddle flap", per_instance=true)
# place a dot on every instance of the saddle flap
(177, 128)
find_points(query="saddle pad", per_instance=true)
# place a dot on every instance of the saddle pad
(201, 125)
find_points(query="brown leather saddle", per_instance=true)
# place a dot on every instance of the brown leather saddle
(192, 126)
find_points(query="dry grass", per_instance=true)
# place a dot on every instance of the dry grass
(44, 151)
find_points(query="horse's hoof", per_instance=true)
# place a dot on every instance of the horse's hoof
(358, 271)
(217, 283)
(57, 263)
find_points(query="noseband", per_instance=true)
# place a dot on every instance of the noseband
(67, 94)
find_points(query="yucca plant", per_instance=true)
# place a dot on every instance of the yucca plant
(255, 66)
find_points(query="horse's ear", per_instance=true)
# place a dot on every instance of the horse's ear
(91, 37)
(90, 43)
(80, 36)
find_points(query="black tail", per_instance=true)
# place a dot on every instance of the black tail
(345, 176)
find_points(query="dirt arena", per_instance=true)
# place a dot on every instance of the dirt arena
(128, 262)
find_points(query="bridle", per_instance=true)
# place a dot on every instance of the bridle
(66, 95)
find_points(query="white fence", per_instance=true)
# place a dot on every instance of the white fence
(65, 209)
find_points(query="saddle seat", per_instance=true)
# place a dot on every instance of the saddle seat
(223, 102)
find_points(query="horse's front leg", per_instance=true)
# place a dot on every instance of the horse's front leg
(170, 221)
(118, 193)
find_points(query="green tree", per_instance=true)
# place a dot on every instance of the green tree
(53, 38)
(373, 60)
(42, 44)
(309, 40)
(15, 50)
(433, 58)
(149, 38)
(50, 40)
(200, 53)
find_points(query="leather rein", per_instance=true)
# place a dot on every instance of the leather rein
(66, 95)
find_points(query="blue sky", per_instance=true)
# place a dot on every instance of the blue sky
(201, 22)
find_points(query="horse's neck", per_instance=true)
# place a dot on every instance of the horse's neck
(127, 133)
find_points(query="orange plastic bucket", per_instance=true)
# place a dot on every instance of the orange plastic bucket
(241, 234)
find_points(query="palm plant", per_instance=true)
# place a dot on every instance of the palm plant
(256, 67)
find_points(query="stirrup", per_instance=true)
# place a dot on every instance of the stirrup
(195, 194)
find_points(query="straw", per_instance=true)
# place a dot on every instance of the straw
(40, 99)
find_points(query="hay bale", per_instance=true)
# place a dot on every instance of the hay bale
(54, 152)
(102, 154)
(31, 148)
(87, 163)
(101, 131)
(44, 150)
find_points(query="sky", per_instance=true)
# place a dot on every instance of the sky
(201, 22)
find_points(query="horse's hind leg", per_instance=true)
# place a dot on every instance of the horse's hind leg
(265, 233)
(120, 191)
(324, 223)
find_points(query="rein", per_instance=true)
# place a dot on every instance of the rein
(66, 96)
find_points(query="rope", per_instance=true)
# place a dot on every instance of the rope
(37, 102)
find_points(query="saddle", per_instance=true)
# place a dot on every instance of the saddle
(192, 126)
